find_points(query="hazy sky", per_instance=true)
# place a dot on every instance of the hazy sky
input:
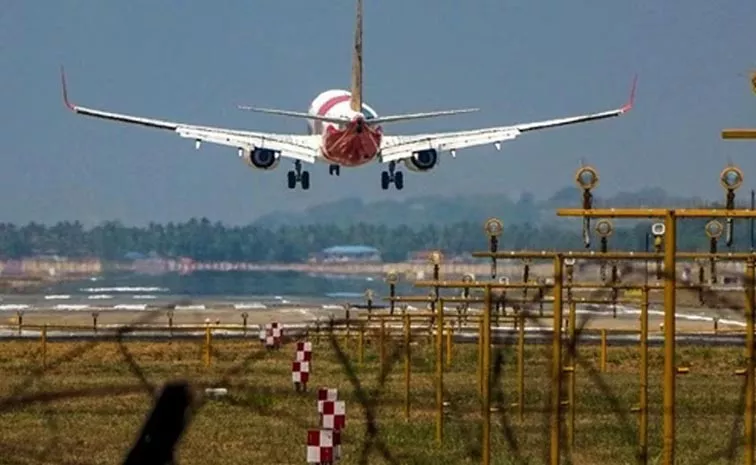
(516, 60)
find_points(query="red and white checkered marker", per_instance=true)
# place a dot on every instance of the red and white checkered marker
(304, 352)
(272, 335)
(300, 373)
(323, 446)
(326, 394)
(333, 414)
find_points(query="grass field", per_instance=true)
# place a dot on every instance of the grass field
(263, 421)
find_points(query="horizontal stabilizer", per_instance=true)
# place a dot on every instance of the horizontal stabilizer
(295, 114)
(411, 116)
(739, 134)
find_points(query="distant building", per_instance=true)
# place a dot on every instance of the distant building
(348, 254)
(423, 256)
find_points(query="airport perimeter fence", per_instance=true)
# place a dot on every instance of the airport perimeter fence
(503, 401)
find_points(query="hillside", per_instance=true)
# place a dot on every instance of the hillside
(425, 210)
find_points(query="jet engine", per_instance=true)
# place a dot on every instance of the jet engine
(422, 160)
(263, 159)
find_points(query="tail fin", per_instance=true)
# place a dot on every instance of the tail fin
(356, 101)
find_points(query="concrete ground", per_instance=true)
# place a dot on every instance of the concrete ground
(310, 314)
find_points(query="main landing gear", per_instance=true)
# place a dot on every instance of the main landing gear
(297, 175)
(387, 177)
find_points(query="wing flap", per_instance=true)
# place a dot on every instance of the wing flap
(301, 148)
(398, 148)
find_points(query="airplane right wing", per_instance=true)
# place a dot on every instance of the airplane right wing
(297, 147)
(396, 148)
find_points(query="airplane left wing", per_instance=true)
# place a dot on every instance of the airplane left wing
(396, 148)
(297, 147)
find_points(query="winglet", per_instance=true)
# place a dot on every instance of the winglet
(631, 101)
(65, 89)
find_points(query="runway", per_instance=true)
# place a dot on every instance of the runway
(694, 326)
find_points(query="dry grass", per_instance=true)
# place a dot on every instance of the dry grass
(265, 421)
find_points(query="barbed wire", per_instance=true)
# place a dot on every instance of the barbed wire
(21, 395)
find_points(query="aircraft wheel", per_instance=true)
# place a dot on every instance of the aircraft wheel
(399, 180)
(305, 180)
(385, 180)
(291, 177)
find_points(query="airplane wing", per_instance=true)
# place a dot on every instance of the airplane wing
(297, 147)
(396, 148)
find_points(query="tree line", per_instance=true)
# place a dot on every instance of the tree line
(204, 240)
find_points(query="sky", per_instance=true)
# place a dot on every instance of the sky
(517, 61)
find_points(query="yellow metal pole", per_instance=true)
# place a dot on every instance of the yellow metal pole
(449, 345)
(556, 363)
(440, 373)
(486, 449)
(603, 351)
(521, 369)
(749, 437)
(670, 245)
(361, 345)
(643, 428)
(481, 343)
(382, 343)
(407, 366)
(43, 337)
(208, 341)
(571, 387)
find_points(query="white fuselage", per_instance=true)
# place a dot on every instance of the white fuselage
(335, 103)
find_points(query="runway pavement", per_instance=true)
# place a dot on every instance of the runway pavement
(694, 325)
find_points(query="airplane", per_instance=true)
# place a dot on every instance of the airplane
(343, 131)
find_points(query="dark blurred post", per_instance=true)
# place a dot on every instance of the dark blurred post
(391, 278)
(714, 230)
(435, 258)
(465, 306)
(244, 316)
(604, 229)
(369, 298)
(169, 314)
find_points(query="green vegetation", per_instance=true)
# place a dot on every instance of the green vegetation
(454, 225)
(264, 421)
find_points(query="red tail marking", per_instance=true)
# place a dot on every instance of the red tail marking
(631, 101)
(65, 90)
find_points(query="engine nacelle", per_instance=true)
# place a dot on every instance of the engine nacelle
(422, 160)
(262, 159)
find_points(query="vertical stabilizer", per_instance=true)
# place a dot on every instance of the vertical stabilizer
(356, 102)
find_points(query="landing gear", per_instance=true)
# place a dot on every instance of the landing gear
(297, 175)
(397, 177)
(334, 170)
